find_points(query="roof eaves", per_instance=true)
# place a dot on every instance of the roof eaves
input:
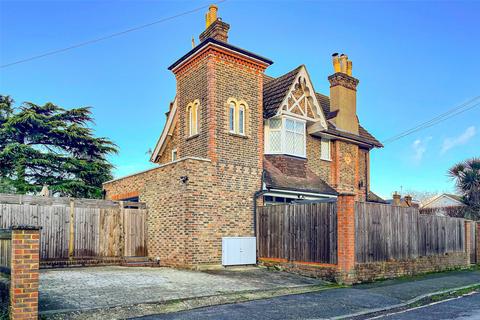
(221, 44)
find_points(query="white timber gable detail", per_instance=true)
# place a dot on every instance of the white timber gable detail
(301, 102)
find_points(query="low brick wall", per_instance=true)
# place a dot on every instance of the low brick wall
(313, 270)
(366, 272)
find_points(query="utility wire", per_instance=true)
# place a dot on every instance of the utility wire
(116, 34)
(436, 120)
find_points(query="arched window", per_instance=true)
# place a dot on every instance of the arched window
(237, 116)
(192, 112)
(231, 117)
(241, 119)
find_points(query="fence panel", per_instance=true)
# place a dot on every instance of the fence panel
(385, 232)
(5, 250)
(79, 228)
(301, 232)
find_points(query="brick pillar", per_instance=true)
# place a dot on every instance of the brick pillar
(468, 239)
(24, 273)
(346, 238)
(478, 242)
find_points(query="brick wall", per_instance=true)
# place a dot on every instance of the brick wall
(344, 167)
(320, 167)
(24, 273)
(365, 272)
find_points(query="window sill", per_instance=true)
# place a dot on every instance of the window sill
(238, 135)
(193, 137)
(324, 159)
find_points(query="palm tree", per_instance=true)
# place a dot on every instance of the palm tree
(467, 181)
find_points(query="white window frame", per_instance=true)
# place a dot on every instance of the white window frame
(174, 154)
(241, 126)
(192, 109)
(329, 147)
(283, 149)
(232, 122)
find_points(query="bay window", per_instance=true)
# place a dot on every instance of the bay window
(285, 135)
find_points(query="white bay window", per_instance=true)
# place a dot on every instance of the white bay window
(285, 135)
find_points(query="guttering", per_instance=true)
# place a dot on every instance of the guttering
(223, 45)
(303, 193)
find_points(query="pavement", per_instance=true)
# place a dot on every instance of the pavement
(79, 289)
(464, 308)
(335, 303)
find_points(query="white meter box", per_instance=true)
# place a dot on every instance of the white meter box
(239, 250)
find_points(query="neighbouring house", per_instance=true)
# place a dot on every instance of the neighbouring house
(443, 200)
(236, 138)
(445, 204)
(406, 201)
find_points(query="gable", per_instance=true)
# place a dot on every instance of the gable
(301, 100)
(167, 131)
(443, 200)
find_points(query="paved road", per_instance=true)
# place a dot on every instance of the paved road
(464, 308)
(332, 303)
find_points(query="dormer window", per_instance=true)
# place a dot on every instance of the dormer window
(285, 135)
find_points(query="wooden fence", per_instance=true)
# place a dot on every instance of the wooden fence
(79, 228)
(5, 250)
(385, 232)
(301, 232)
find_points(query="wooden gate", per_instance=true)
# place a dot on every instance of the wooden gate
(300, 232)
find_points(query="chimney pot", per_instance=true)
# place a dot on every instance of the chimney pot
(336, 62)
(211, 15)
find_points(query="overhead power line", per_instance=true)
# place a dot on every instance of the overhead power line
(116, 34)
(472, 103)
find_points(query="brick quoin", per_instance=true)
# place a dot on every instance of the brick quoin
(346, 238)
(24, 273)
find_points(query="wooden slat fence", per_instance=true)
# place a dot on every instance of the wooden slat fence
(300, 232)
(385, 232)
(5, 250)
(79, 228)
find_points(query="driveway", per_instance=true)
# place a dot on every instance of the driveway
(103, 287)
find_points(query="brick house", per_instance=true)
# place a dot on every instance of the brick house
(236, 138)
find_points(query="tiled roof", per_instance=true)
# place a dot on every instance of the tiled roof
(275, 90)
(372, 197)
(276, 179)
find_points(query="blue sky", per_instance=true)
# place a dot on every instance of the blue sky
(414, 60)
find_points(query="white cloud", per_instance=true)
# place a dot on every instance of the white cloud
(419, 147)
(452, 142)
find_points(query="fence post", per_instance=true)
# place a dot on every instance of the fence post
(24, 273)
(122, 230)
(71, 240)
(346, 238)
